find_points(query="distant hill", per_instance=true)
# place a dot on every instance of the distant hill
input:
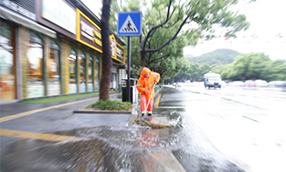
(189, 56)
(219, 57)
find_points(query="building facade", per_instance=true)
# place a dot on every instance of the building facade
(51, 49)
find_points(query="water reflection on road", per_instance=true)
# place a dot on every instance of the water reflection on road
(125, 148)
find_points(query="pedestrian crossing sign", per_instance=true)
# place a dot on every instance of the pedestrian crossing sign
(129, 24)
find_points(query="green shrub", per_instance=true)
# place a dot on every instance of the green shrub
(110, 105)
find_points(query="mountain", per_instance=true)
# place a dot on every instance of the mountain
(219, 57)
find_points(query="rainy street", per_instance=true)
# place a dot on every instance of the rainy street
(223, 130)
(142, 86)
(245, 124)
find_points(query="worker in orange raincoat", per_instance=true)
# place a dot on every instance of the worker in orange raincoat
(145, 86)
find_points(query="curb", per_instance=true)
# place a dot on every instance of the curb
(101, 111)
(157, 94)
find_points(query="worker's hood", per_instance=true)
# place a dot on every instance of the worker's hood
(145, 70)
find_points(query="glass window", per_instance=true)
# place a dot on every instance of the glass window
(82, 72)
(96, 76)
(72, 71)
(90, 73)
(7, 62)
(35, 87)
(54, 70)
(113, 80)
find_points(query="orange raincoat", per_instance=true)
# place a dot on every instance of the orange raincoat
(147, 83)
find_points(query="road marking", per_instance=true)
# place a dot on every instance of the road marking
(37, 136)
(158, 100)
(250, 118)
(172, 107)
(10, 117)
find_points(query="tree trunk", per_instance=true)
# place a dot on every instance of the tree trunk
(142, 64)
(106, 54)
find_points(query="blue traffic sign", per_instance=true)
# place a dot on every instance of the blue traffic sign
(129, 24)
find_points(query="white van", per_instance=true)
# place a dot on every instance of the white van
(212, 80)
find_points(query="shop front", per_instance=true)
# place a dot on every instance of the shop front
(90, 75)
(21, 52)
(52, 56)
(35, 67)
(71, 72)
(82, 73)
(7, 62)
(118, 62)
(54, 69)
(97, 75)
(74, 61)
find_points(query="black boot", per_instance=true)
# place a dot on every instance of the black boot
(149, 114)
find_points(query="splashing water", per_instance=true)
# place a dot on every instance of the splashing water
(115, 148)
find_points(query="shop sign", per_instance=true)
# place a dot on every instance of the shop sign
(16, 6)
(117, 51)
(120, 53)
(88, 32)
(112, 42)
(60, 13)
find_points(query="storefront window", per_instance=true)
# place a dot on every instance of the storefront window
(82, 76)
(35, 87)
(7, 62)
(90, 75)
(113, 80)
(72, 71)
(54, 69)
(96, 76)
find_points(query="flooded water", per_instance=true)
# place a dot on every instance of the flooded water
(119, 149)
(180, 148)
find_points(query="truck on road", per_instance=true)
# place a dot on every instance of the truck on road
(212, 80)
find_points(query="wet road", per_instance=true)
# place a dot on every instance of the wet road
(211, 134)
(118, 148)
(54, 119)
(245, 124)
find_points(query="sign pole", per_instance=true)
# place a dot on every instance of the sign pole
(128, 67)
(129, 24)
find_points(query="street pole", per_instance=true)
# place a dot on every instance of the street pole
(128, 71)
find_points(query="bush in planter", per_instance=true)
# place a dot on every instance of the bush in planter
(110, 105)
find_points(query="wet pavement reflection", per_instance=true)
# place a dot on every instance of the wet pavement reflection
(117, 148)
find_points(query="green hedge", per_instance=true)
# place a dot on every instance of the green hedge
(110, 105)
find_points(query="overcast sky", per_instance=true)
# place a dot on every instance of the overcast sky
(267, 20)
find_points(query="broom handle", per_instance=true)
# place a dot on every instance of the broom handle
(149, 100)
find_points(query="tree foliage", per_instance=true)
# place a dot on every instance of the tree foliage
(257, 66)
(161, 45)
(245, 67)
(202, 15)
